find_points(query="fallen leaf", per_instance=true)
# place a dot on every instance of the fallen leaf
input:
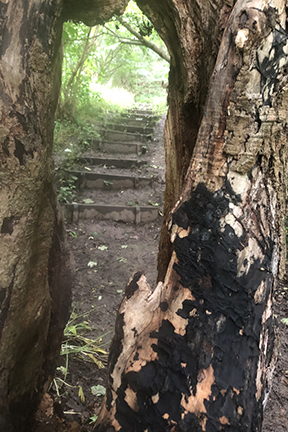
(81, 394)
(92, 264)
(98, 390)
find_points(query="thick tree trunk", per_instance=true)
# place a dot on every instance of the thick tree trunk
(192, 32)
(196, 353)
(29, 79)
(35, 266)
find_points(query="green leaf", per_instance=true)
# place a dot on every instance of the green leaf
(93, 419)
(122, 259)
(154, 204)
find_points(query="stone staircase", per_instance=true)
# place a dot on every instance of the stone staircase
(122, 176)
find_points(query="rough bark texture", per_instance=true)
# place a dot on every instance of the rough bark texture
(35, 266)
(29, 40)
(192, 32)
(193, 354)
(92, 12)
(196, 353)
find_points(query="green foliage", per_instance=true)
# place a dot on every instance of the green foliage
(86, 349)
(66, 189)
(93, 419)
(70, 138)
(110, 55)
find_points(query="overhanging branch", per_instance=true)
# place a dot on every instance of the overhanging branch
(144, 41)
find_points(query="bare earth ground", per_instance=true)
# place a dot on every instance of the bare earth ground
(120, 249)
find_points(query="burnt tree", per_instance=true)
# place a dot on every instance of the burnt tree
(196, 353)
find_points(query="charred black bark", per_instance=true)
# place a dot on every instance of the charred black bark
(225, 351)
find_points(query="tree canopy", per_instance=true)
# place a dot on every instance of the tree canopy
(126, 52)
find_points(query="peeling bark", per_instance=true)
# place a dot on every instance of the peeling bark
(197, 352)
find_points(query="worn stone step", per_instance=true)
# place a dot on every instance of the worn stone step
(112, 161)
(114, 135)
(139, 111)
(135, 121)
(92, 180)
(75, 212)
(149, 119)
(135, 128)
(115, 147)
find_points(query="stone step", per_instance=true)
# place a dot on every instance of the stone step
(140, 117)
(135, 128)
(114, 147)
(123, 163)
(75, 212)
(137, 121)
(114, 135)
(139, 111)
(125, 119)
(92, 180)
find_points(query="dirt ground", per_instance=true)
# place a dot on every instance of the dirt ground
(115, 250)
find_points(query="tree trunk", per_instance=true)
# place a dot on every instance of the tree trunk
(197, 352)
(192, 32)
(35, 266)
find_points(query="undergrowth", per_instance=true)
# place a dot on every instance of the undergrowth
(76, 343)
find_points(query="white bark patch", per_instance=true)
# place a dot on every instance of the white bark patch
(240, 183)
(268, 311)
(262, 370)
(236, 210)
(253, 87)
(219, 324)
(231, 220)
(241, 37)
(247, 256)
